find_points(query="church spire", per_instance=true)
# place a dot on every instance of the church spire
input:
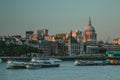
(89, 22)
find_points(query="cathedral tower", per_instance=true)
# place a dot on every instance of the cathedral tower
(89, 33)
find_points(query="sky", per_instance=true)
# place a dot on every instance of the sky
(60, 16)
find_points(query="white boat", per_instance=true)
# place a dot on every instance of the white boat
(50, 60)
(55, 60)
(15, 65)
(33, 65)
(88, 63)
(41, 60)
(41, 63)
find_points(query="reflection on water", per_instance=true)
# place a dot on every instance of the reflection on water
(66, 71)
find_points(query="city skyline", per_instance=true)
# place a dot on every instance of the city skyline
(60, 16)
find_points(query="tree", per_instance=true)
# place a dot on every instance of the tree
(2, 47)
(17, 50)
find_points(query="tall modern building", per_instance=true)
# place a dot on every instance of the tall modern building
(89, 33)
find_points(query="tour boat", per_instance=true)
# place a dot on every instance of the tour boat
(51, 60)
(15, 65)
(55, 60)
(87, 63)
(41, 63)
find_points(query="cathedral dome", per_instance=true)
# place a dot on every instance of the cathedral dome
(89, 33)
(89, 27)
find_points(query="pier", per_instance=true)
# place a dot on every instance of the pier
(26, 59)
(63, 58)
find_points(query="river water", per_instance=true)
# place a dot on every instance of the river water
(66, 71)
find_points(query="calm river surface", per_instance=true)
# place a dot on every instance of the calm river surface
(66, 71)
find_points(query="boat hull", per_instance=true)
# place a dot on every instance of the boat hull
(90, 64)
(16, 67)
(37, 65)
(49, 65)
